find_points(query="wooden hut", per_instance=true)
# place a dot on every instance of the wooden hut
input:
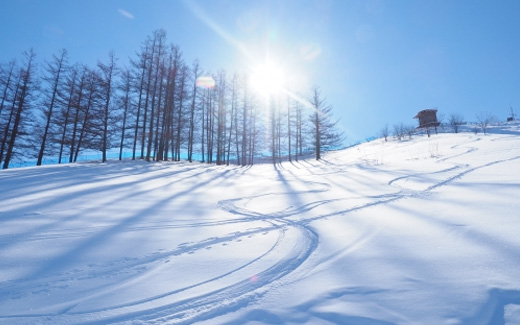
(427, 118)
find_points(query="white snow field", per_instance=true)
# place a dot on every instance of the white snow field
(423, 231)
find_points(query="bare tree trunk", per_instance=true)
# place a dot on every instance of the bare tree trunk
(191, 132)
(244, 126)
(221, 117)
(180, 124)
(86, 118)
(7, 85)
(203, 126)
(77, 114)
(232, 116)
(126, 79)
(67, 112)
(289, 135)
(139, 102)
(10, 120)
(273, 130)
(150, 57)
(108, 72)
(158, 154)
(25, 89)
(54, 69)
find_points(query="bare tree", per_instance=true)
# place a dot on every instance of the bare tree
(107, 77)
(221, 91)
(299, 124)
(166, 138)
(182, 95)
(125, 86)
(157, 62)
(26, 87)
(244, 110)
(325, 134)
(409, 130)
(272, 125)
(191, 131)
(456, 121)
(233, 117)
(140, 69)
(483, 120)
(82, 84)
(8, 83)
(92, 95)
(6, 80)
(385, 132)
(399, 131)
(11, 115)
(66, 110)
(54, 70)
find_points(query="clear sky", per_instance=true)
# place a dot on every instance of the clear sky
(376, 61)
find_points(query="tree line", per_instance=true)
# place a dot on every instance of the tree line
(157, 108)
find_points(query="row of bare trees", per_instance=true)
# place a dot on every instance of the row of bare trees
(157, 108)
(455, 121)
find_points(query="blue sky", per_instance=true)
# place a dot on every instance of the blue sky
(376, 61)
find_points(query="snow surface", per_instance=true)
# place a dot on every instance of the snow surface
(423, 231)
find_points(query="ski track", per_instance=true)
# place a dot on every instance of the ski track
(164, 308)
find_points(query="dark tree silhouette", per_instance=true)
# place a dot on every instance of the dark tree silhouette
(107, 74)
(21, 101)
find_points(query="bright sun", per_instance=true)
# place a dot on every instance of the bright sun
(267, 79)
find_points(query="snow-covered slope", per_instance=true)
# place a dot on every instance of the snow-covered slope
(423, 231)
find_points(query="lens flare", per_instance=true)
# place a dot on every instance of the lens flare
(205, 82)
(311, 51)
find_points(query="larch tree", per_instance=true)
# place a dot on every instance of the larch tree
(124, 101)
(139, 86)
(67, 108)
(182, 98)
(91, 97)
(5, 127)
(155, 73)
(107, 77)
(21, 102)
(7, 84)
(82, 84)
(6, 81)
(325, 135)
(53, 79)
(191, 131)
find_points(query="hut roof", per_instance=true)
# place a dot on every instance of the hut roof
(425, 112)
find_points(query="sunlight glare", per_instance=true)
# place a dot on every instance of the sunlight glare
(267, 79)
